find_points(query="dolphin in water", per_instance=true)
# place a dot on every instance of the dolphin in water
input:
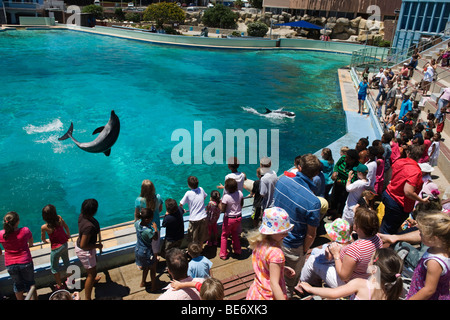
(285, 113)
(108, 135)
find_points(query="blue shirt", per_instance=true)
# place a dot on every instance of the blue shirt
(141, 203)
(199, 267)
(363, 87)
(405, 108)
(296, 196)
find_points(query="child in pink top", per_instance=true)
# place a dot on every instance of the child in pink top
(58, 233)
(16, 242)
(268, 258)
(231, 204)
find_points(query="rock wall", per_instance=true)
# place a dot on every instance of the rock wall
(357, 29)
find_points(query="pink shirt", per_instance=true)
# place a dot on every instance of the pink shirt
(16, 246)
(262, 256)
(446, 94)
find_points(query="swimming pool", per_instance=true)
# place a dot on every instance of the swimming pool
(52, 78)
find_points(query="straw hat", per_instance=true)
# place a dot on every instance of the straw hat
(274, 221)
(338, 230)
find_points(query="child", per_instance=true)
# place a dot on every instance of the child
(268, 258)
(384, 283)
(379, 176)
(355, 190)
(146, 231)
(434, 149)
(199, 266)
(440, 120)
(210, 289)
(58, 233)
(198, 221)
(317, 266)
(257, 199)
(362, 93)
(174, 224)
(431, 277)
(327, 169)
(343, 151)
(213, 213)
(63, 294)
(240, 177)
(231, 205)
(18, 261)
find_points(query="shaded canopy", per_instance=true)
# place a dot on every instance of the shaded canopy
(300, 24)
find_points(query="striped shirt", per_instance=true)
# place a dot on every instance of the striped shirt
(361, 251)
(342, 171)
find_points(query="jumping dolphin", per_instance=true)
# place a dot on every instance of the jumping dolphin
(286, 113)
(105, 140)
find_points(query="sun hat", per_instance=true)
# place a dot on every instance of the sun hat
(265, 163)
(338, 230)
(361, 168)
(275, 220)
(426, 167)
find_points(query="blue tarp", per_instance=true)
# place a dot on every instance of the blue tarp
(300, 24)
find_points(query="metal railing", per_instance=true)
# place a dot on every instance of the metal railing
(375, 57)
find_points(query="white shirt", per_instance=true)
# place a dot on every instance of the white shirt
(195, 198)
(372, 173)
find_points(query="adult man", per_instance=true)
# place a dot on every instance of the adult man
(296, 196)
(402, 192)
(382, 86)
(267, 184)
(177, 265)
(442, 101)
(405, 107)
(390, 97)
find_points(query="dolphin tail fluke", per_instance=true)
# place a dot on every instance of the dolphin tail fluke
(68, 133)
(268, 110)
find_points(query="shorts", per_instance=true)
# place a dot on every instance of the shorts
(362, 96)
(60, 252)
(87, 258)
(22, 276)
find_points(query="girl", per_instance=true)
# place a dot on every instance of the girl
(434, 149)
(146, 231)
(231, 205)
(151, 200)
(431, 277)
(19, 264)
(213, 213)
(268, 258)
(327, 169)
(58, 233)
(355, 190)
(384, 283)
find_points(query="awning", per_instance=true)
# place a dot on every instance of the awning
(300, 24)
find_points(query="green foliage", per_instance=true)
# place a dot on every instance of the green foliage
(256, 3)
(163, 12)
(97, 11)
(380, 42)
(257, 29)
(220, 16)
(133, 16)
(119, 14)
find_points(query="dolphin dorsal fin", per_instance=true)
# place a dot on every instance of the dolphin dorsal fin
(98, 130)
(268, 110)
(107, 152)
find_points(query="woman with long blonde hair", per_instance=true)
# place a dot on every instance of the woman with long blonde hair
(149, 199)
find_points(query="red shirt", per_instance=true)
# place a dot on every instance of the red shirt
(405, 170)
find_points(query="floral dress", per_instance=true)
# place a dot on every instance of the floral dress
(263, 255)
(418, 280)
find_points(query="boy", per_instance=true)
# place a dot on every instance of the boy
(362, 93)
(198, 222)
(199, 266)
(174, 224)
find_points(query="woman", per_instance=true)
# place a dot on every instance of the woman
(16, 242)
(86, 244)
(150, 199)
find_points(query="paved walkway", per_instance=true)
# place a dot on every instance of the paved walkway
(123, 282)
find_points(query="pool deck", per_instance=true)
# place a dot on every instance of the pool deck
(124, 281)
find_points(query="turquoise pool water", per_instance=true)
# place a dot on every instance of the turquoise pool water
(52, 78)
